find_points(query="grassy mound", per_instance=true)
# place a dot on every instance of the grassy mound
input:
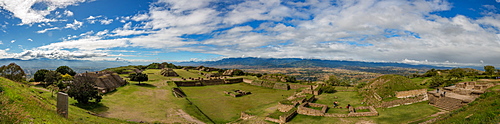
(387, 85)
(22, 104)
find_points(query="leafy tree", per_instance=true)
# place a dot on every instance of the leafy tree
(53, 88)
(456, 73)
(40, 75)
(489, 70)
(333, 80)
(66, 77)
(13, 72)
(430, 73)
(82, 89)
(138, 77)
(436, 81)
(65, 70)
(238, 72)
(51, 77)
(154, 66)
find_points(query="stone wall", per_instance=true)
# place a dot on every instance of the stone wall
(411, 93)
(304, 110)
(373, 112)
(267, 84)
(445, 103)
(233, 80)
(285, 108)
(256, 83)
(178, 93)
(283, 118)
(403, 101)
(207, 82)
(298, 86)
(281, 86)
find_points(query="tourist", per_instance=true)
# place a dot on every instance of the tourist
(437, 90)
(444, 93)
(335, 104)
(348, 106)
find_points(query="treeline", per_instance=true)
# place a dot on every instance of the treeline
(440, 78)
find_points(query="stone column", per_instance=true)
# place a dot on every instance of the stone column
(62, 104)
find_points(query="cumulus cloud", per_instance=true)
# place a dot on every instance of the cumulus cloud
(35, 11)
(56, 54)
(75, 25)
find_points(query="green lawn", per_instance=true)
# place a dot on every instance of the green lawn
(343, 98)
(223, 108)
(151, 102)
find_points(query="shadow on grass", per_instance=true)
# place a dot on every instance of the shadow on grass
(110, 92)
(92, 106)
(145, 85)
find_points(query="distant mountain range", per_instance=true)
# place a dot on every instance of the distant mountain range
(31, 66)
(252, 62)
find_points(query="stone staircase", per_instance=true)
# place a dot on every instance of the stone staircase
(451, 101)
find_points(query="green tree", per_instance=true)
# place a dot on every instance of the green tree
(40, 75)
(13, 72)
(66, 77)
(489, 70)
(333, 80)
(65, 70)
(430, 73)
(52, 77)
(82, 89)
(456, 73)
(154, 66)
(436, 81)
(138, 77)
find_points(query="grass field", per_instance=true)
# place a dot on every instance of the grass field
(151, 102)
(343, 98)
(223, 108)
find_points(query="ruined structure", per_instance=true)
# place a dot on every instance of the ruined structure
(105, 81)
(454, 97)
(168, 72)
(230, 72)
(209, 81)
(237, 93)
(207, 69)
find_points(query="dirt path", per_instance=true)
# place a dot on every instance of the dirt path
(188, 117)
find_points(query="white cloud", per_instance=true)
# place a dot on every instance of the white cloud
(75, 25)
(106, 21)
(1, 42)
(68, 13)
(56, 54)
(47, 29)
(23, 9)
(29, 39)
(12, 41)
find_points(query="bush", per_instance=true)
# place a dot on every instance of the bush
(328, 89)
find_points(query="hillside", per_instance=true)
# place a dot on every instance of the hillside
(23, 104)
(387, 85)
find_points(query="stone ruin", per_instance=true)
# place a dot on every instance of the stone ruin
(168, 72)
(230, 72)
(178, 93)
(62, 104)
(105, 81)
(454, 97)
(237, 93)
(207, 69)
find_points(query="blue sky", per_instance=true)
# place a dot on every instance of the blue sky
(436, 32)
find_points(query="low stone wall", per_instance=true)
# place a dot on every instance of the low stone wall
(206, 82)
(411, 93)
(233, 80)
(281, 86)
(373, 112)
(298, 86)
(268, 84)
(404, 101)
(284, 118)
(178, 92)
(256, 83)
(285, 108)
(304, 110)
